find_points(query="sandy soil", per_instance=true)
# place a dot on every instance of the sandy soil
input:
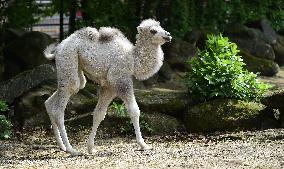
(250, 149)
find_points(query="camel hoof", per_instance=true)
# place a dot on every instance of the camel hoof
(146, 147)
(74, 153)
(91, 150)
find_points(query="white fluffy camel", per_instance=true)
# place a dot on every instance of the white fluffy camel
(108, 58)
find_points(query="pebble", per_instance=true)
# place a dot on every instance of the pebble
(247, 149)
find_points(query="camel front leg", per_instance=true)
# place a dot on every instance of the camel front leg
(134, 114)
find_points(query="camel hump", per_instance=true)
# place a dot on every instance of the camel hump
(107, 34)
(88, 32)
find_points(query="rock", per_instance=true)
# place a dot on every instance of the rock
(255, 47)
(257, 65)
(116, 124)
(225, 115)
(268, 31)
(274, 101)
(279, 50)
(164, 75)
(1, 65)
(150, 123)
(171, 102)
(264, 25)
(11, 35)
(161, 123)
(177, 53)
(281, 31)
(251, 41)
(197, 38)
(15, 87)
(29, 109)
(25, 52)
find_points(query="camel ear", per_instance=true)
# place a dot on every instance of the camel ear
(139, 29)
(90, 35)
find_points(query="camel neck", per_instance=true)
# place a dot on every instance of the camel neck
(148, 59)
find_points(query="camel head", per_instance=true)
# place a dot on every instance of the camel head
(151, 30)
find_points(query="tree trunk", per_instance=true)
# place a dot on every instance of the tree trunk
(72, 17)
(61, 34)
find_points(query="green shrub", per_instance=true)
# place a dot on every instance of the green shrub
(5, 124)
(218, 72)
(119, 108)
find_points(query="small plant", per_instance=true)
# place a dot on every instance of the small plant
(128, 128)
(5, 124)
(3, 106)
(119, 108)
(218, 72)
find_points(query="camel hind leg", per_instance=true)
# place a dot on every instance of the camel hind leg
(82, 78)
(48, 104)
(55, 107)
(69, 81)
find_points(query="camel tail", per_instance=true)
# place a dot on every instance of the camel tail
(49, 51)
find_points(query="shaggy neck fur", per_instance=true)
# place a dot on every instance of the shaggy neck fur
(148, 58)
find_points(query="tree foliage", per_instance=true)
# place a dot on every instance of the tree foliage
(20, 13)
(5, 124)
(178, 17)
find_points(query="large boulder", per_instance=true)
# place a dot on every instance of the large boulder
(177, 54)
(117, 124)
(18, 85)
(258, 65)
(29, 109)
(25, 52)
(11, 35)
(281, 31)
(162, 124)
(167, 77)
(264, 25)
(251, 41)
(226, 115)
(171, 102)
(274, 101)
(279, 50)
(165, 74)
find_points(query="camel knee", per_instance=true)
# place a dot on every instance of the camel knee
(99, 115)
(54, 112)
(72, 87)
(55, 104)
(83, 81)
(75, 87)
(133, 110)
(49, 105)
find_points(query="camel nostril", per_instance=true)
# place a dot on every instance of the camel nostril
(168, 38)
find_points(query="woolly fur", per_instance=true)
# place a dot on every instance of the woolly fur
(108, 58)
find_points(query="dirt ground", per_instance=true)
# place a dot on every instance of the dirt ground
(249, 149)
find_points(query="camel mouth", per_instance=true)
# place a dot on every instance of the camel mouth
(167, 38)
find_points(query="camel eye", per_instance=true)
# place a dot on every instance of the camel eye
(153, 31)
